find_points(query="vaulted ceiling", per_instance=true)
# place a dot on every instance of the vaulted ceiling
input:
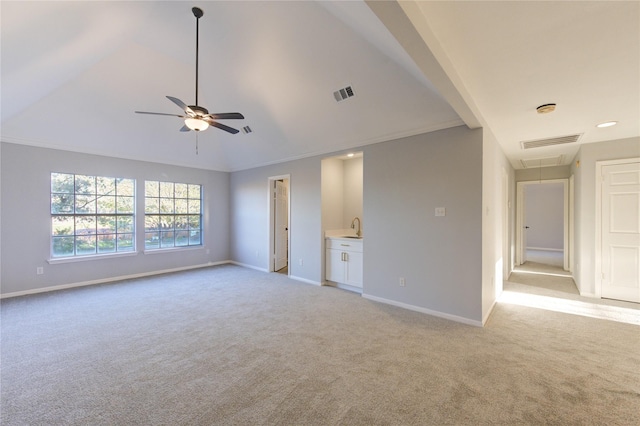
(73, 73)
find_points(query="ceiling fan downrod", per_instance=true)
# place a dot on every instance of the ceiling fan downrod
(198, 13)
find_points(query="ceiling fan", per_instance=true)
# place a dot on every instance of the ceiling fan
(195, 117)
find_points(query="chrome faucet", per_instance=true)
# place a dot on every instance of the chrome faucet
(353, 225)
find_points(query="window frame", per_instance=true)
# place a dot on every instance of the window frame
(93, 215)
(161, 212)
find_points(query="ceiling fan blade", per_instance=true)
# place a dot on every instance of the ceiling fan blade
(182, 105)
(222, 127)
(227, 116)
(159, 113)
(185, 129)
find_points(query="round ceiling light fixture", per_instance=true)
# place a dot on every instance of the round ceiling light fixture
(546, 108)
(606, 124)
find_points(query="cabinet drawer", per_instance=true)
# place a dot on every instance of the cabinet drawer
(344, 244)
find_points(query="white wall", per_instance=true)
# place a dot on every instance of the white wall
(25, 218)
(498, 239)
(439, 257)
(544, 215)
(332, 194)
(585, 189)
(353, 193)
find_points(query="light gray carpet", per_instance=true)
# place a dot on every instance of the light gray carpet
(232, 346)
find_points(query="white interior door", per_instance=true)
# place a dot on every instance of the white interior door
(620, 232)
(281, 228)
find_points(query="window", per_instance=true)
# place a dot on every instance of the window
(173, 215)
(91, 215)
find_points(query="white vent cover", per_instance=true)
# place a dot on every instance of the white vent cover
(534, 163)
(551, 141)
(342, 94)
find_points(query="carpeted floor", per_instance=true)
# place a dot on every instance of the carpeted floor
(232, 346)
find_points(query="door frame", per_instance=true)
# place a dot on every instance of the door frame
(598, 221)
(567, 222)
(271, 225)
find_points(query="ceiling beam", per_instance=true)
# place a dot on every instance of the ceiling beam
(406, 22)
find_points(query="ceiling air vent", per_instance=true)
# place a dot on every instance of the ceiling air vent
(549, 142)
(246, 130)
(343, 94)
(534, 163)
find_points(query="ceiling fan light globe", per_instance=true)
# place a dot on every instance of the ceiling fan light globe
(196, 124)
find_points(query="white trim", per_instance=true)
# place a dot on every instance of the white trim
(110, 279)
(246, 265)
(58, 260)
(598, 220)
(490, 311)
(450, 317)
(572, 218)
(304, 280)
(271, 224)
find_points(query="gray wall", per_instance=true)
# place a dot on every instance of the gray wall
(439, 257)
(25, 218)
(353, 193)
(544, 214)
(585, 190)
(544, 173)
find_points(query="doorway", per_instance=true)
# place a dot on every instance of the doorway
(279, 220)
(542, 223)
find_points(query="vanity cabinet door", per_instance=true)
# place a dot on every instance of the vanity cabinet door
(335, 266)
(353, 266)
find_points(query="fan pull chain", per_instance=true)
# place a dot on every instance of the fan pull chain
(197, 143)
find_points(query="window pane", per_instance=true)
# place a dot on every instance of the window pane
(85, 225)
(106, 204)
(86, 244)
(181, 206)
(166, 189)
(152, 189)
(62, 203)
(125, 224)
(85, 184)
(62, 246)
(62, 182)
(182, 238)
(85, 204)
(151, 240)
(181, 222)
(194, 206)
(125, 242)
(125, 204)
(62, 225)
(105, 186)
(166, 205)
(152, 205)
(194, 238)
(181, 190)
(106, 243)
(125, 187)
(194, 191)
(106, 224)
(166, 222)
(166, 239)
(194, 222)
(151, 223)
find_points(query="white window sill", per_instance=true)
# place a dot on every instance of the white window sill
(172, 249)
(57, 260)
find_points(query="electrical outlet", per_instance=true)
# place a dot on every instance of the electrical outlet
(402, 282)
(39, 270)
(300, 262)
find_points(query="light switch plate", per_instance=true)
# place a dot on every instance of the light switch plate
(441, 211)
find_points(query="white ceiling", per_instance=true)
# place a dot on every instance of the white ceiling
(73, 73)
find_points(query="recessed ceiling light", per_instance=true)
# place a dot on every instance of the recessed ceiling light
(607, 124)
(546, 108)
(351, 154)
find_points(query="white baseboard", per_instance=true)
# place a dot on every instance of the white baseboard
(108, 280)
(246, 265)
(304, 280)
(455, 318)
(488, 314)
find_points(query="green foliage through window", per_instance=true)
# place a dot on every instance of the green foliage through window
(173, 215)
(91, 215)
